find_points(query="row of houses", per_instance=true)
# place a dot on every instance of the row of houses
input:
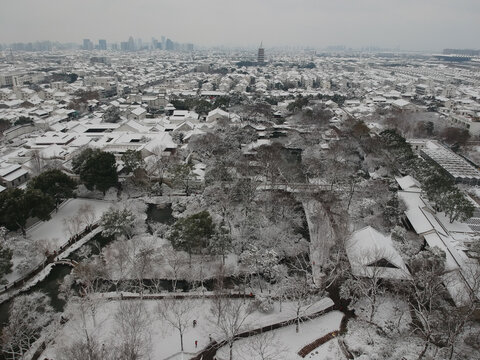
(372, 254)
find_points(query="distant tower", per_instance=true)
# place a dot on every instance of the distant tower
(102, 44)
(131, 44)
(87, 44)
(261, 54)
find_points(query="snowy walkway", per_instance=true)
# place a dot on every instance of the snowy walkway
(285, 343)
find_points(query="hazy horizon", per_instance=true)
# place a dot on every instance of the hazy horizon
(408, 25)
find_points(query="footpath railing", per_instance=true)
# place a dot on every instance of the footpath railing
(315, 344)
(211, 349)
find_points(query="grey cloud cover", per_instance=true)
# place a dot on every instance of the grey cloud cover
(406, 24)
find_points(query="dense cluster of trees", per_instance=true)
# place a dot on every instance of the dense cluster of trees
(17, 206)
(5, 255)
(198, 234)
(97, 169)
(132, 160)
(112, 115)
(54, 183)
(43, 194)
(23, 120)
(81, 99)
(201, 106)
(439, 187)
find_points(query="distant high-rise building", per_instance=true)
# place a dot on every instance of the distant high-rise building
(131, 44)
(138, 44)
(261, 54)
(169, 45)
(102, 44)
(87, 44)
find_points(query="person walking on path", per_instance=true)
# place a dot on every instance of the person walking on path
(196, 343)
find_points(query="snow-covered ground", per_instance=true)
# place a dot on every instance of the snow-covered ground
(284, 343)
(55, 231)
(393, 317)
(165, 340)
(392, 314)
(52, 234)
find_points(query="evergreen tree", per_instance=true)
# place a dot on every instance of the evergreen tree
(118, 222)
(55, 184)
(5, 261)
(132, 160)
(220, 242)
(97, 169)
(192, 233)
(17, 206)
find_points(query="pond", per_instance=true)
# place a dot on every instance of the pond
(160, 214)
(50, 285)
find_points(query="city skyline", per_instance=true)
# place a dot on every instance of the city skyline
(420, 26)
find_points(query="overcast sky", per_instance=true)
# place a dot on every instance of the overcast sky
(403, 24)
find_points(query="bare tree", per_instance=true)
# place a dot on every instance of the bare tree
(176, 262)
(264, 346)
(80, 350)
(38, 163)
(86, 213)
(303, 294)
(88, 275)
(85, 307)
(425, 294)
(457, 318)
(142, 258)
(366, 285)
(117, 256)
(28, 315)
(73, 225)
(230, 319)
(177, 313)
(133, 323)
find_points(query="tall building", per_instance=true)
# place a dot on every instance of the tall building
(138, 44)
(131, 44)
(169, 45)
(102, 44)
(261, 54)
(87, 44)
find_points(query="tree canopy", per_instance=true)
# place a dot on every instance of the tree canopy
(132, 160)
(193, 233)
(97, 169)
(5, 261)
(17, 206)
(55, 184)
(118, 222)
